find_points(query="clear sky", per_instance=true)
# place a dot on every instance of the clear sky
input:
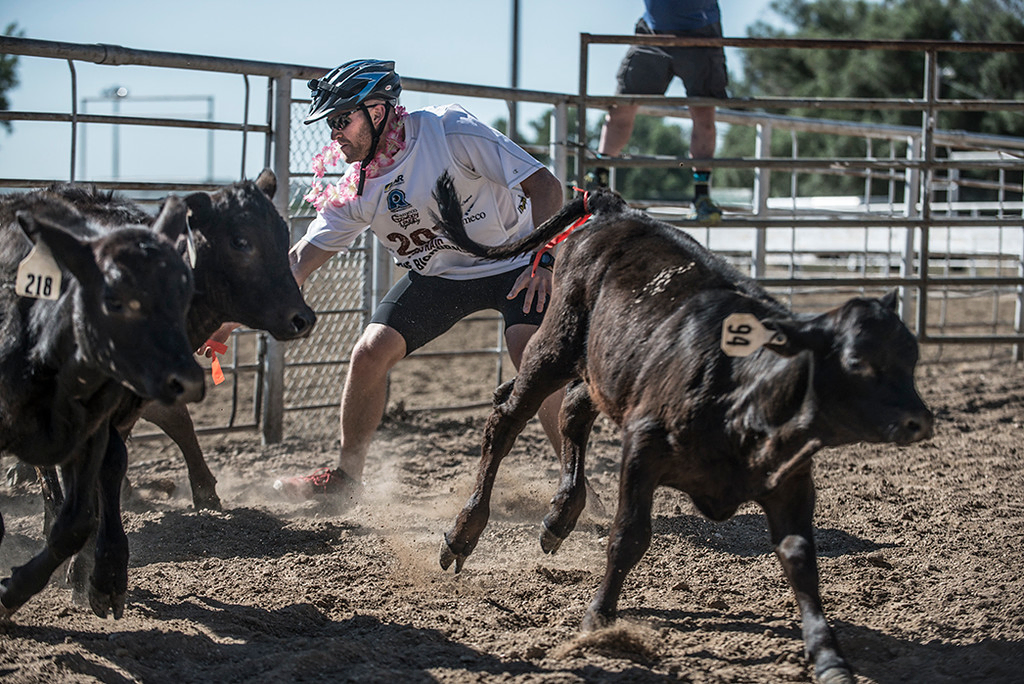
(465, 41)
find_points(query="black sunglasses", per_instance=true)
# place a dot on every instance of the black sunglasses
(340, 122)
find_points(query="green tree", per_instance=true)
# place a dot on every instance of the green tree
(651, 135)
(878, 73)
(8, 73)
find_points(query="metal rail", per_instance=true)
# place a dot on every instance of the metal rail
(917, 216)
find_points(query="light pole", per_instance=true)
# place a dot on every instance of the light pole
(513, 105)
(114, 95)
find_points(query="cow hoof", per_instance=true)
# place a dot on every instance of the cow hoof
(593, 621)
(836, 675)
(5, 612)
(80, 597)
(102, 604)
(79, 567)
(448, 556)
(209, 502)
(549, 541)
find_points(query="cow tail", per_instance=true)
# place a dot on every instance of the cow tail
(451, 226)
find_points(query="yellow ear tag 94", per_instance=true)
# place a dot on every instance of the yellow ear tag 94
(39, 276)
(743, 334)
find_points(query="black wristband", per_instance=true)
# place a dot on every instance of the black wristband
(547, 260)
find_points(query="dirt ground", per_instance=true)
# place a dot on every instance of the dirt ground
(921, 552)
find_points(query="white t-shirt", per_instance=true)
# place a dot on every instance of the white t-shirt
(487, 169)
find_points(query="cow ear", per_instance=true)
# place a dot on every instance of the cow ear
(792, 336)
(890, 300)
(267, 182)
(172, 221)
(201, 205)
(69, 250)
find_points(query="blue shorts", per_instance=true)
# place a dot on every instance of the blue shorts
(648, 70)
(422, 308)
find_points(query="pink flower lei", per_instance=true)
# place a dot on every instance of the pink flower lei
(321, 195)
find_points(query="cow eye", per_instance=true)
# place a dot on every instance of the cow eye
(112, 303)
(859, 366)
(240, 243)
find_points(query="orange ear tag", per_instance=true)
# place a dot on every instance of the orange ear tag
(215, 369)
(217, 372)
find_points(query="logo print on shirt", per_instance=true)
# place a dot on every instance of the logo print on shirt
(407, 219)
(396, 200)
(395, 197)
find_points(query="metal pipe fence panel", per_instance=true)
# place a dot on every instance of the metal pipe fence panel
(959, 264)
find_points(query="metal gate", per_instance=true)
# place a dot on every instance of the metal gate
(917, 244)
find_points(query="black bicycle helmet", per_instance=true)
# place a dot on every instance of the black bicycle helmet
(345, 88)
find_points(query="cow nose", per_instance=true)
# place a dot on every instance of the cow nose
(919, 426)
(185, 388)
(302, 322)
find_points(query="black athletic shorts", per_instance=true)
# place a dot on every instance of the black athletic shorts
(648, 70)
(421, 307)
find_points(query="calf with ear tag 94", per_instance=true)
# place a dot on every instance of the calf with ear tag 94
(743, 334)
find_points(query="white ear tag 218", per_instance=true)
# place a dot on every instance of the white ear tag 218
(743, 334)
(39, 276)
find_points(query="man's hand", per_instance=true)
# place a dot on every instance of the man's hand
(538, 287)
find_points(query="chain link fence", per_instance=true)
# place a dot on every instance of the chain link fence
(339, 293)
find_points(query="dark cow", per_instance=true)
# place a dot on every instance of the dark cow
(635, 328)
(115, 330)
(241, 273)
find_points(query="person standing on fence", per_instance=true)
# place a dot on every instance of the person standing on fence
(396, 158)
(648, 70)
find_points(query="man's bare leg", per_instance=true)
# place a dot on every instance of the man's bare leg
(617, 129)
(364, 397)
(703, 134)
